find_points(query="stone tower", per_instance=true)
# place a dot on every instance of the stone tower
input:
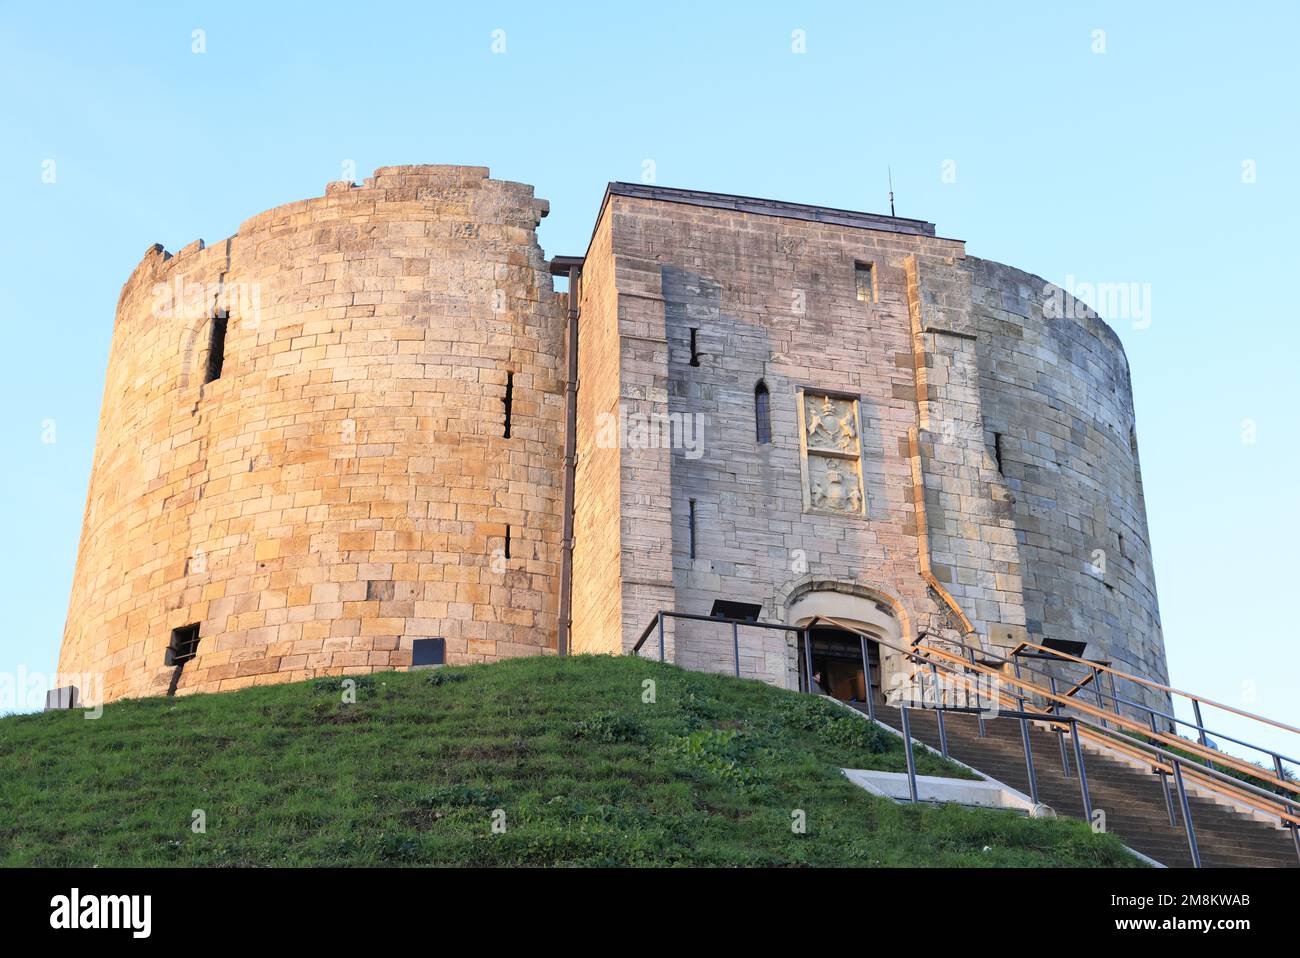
(343, 430)
(302, 445)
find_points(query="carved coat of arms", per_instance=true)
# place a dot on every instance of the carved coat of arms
(832, 454)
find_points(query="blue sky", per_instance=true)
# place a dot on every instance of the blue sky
(1122, 166)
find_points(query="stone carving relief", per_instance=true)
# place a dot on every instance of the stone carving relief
(831, 424)
(832, 452)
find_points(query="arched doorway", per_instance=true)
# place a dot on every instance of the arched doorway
(838, 665)
(842, 657)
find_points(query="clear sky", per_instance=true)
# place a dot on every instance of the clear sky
(1163, 152)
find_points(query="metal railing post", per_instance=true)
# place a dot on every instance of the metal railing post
(1289, 806)
(907, 748)
(970, 654)
(735, 644)
(866, 675)
(1096, 689)
(807, 657)
(1200, 725)
(1187, 814)
(1024, 739)
(1114, 697)
(1060, 734)
(1164, 781)
(661, 635)
(938, 711)
(1083, 774)
(1029, 760)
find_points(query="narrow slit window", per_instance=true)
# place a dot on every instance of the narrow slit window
(695, 346)
(690, 520)
(865, 274)
(507, 542)
(762, 413)
(997, 449)
(508, 400)
(216, 347)
(1133, 449)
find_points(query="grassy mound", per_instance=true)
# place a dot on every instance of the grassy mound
(537, 761)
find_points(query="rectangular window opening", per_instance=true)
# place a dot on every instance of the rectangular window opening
(427, 651)
(184, 644)
(695, 347)
(216, 347)
(865, 274)
(183, 647)
(507, 542)
(509, 399)
(690, 519)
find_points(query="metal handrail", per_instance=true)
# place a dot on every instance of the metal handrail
(1205, 753)
(1163, 688)
(1216, 735)
(1021, 714)
(1202, 730)
(1117, 719)
(928, 660)
(1161, 760)
(1069, 721)
(1175, 719)
(1259, 799)
(1199, 748)
(1050, 718)
(658, 621)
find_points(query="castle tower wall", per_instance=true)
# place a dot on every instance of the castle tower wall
(598, 529)
(344, 485)
(771, 299)
(949, 445)
(993, 440)
(1054, 385)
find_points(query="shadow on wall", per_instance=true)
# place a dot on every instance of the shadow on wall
(713, 398)
(727, 492)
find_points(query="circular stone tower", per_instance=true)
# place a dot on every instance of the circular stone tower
(331, 434)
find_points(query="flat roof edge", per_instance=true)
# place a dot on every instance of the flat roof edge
(762, 207)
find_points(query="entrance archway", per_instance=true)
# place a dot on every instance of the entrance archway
(838, 668)
(838, 654)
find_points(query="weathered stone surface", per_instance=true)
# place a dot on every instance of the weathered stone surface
(949, 349)
(345, 484)
(945, 455)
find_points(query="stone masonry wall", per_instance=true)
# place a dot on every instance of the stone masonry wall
(345, 485)
(597, 605)
(973, 551)
(772, 299)
(1054, 382)
(953, 350)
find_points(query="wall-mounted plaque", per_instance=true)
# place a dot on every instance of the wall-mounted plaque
(831, 448)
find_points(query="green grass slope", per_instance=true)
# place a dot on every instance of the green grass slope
(538, 761)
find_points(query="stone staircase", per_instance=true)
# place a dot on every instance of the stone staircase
(1131, 798)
